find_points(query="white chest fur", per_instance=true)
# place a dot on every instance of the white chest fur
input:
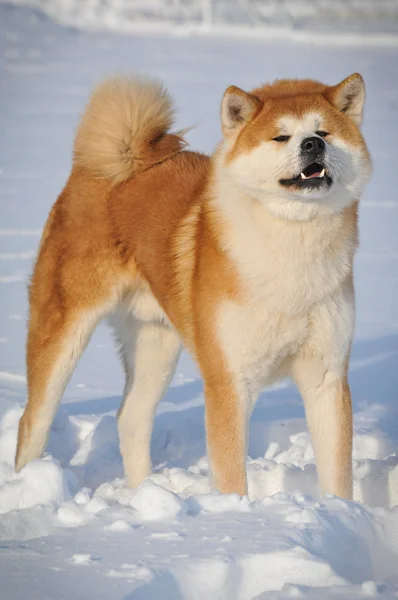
(257, 342)
(288, 266)
(295, 277)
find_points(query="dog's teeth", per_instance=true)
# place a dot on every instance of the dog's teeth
(322, 173)
(302, 176)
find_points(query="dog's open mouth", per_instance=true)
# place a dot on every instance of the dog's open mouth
(314, 175)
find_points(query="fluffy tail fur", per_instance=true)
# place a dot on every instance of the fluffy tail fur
(125, 128)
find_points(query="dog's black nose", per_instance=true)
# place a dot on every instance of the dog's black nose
(313, 145)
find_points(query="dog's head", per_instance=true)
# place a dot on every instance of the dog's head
(296, 146)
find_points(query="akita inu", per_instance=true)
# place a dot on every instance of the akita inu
(245, 257)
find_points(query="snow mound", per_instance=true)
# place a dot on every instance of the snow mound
(153, 503)
(40, 482)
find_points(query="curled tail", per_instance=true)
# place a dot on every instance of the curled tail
(125, 128)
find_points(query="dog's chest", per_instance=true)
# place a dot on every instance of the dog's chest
(284, 282)
(291, 281)
(258, 343)
(288, 268)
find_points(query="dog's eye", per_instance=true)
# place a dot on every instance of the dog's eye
(281, 138)
(322, 134)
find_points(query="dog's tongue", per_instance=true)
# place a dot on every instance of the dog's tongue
(317, 174)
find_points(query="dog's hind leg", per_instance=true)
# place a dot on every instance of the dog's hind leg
(55, 343)
(149, 353)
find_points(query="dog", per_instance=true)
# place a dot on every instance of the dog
(245, 257)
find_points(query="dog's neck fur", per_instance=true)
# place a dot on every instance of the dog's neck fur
(307, 257)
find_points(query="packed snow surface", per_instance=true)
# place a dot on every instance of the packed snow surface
(69, 526)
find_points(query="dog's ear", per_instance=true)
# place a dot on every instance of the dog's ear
(349, 97)
(237, 109)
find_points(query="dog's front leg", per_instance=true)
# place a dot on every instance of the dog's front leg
(327, 401)
(227, 417)
(320, 370)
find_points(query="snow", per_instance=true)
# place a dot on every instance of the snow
(153, 502)
(340, 21)
(42, 482)
(69, 526)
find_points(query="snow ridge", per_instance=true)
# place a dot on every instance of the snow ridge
(335, 21)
